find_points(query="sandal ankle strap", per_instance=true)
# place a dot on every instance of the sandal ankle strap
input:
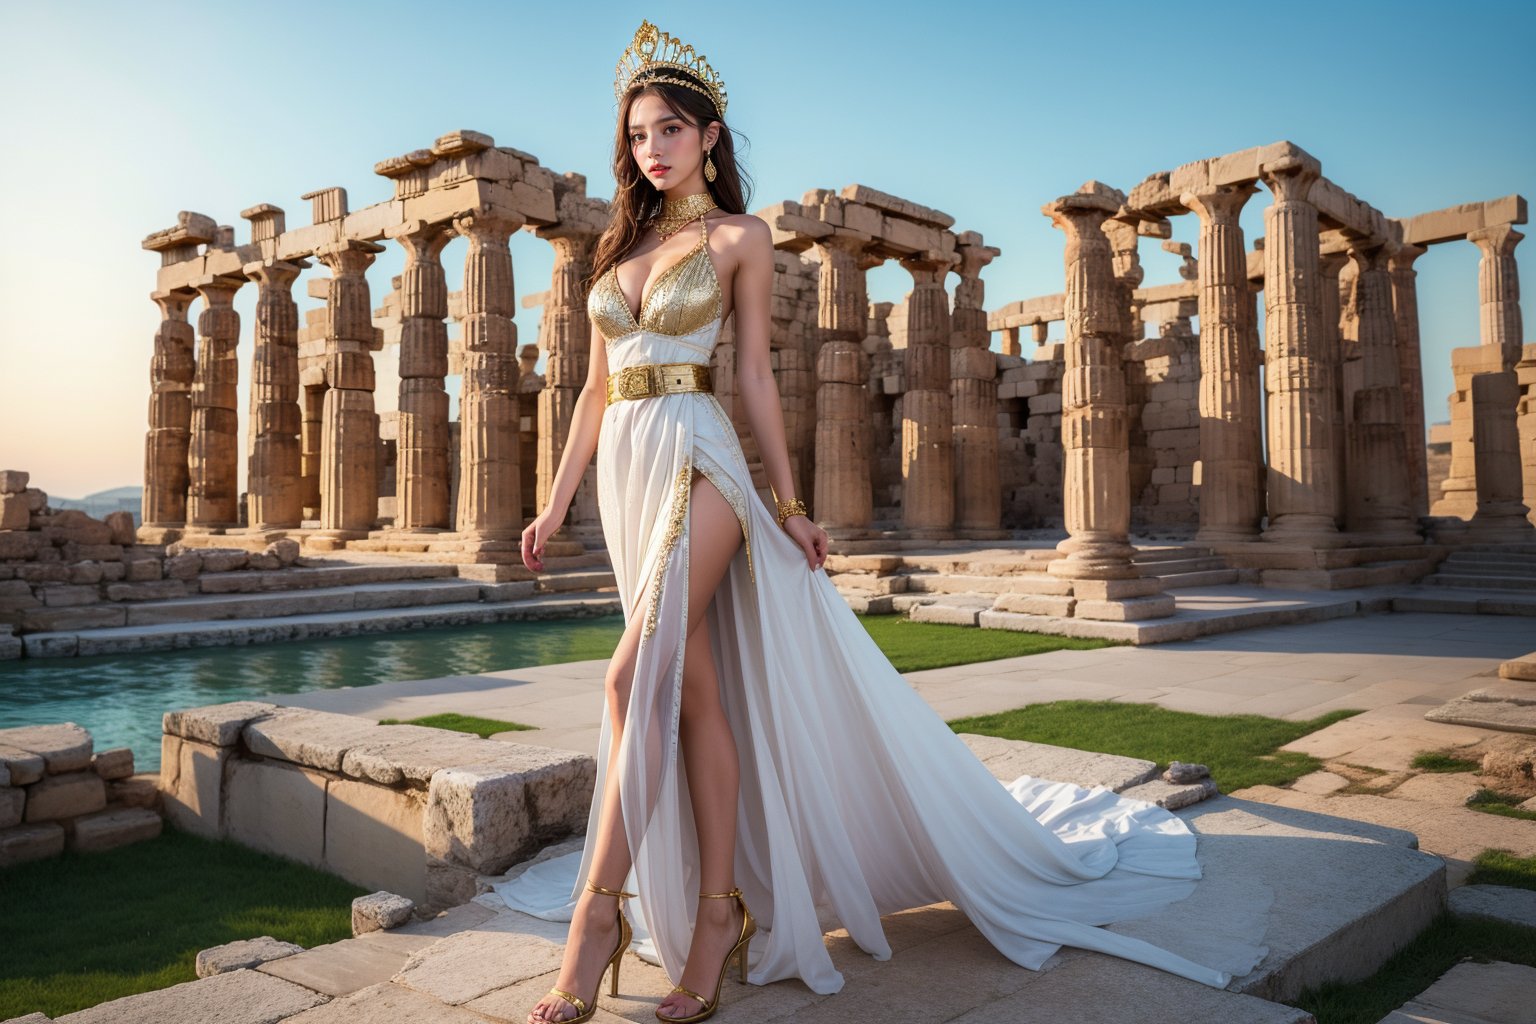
(608, 892)
(722, 895)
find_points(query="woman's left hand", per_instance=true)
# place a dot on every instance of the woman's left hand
(811, 538)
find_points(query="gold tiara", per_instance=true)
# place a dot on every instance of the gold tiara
(652, 52)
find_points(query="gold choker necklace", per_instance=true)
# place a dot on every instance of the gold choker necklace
(677, 212)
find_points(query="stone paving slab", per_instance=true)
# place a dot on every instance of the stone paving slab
(1473, 993)
(384, 1003)
(1008, 759)
(1502, 708)
(1498, 902)
(507, 948)
(238, 997)
(338, 968)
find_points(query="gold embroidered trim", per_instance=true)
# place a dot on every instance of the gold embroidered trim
(680, 490)
(723, 484)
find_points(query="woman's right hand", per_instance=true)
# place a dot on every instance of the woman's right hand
(535, 535)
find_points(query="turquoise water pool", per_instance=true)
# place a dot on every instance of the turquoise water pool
(120, 698)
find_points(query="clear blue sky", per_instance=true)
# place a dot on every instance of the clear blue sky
(119, 115)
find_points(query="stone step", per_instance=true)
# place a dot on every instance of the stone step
(1174, 566)
(1014, 583)
(275, 604)
(1481, 582)
(1510, 558)
(563, 581)
(308, 577)
(179, 635)
(1464, 601)
(1369, 574)
(1170, 554)
(1212, 577)
(1494, 567)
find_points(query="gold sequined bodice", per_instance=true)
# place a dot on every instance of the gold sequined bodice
(685, 298)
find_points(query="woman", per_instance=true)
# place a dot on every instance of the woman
(755, 736)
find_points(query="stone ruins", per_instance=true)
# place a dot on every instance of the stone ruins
(1293, 457)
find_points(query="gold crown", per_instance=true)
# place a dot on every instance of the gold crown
(652, 52)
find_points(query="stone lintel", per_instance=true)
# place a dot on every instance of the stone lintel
(1456, 222)
(896, 206)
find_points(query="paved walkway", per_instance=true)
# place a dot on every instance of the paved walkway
(1409, 661)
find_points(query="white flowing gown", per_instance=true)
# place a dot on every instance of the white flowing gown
(856, 799)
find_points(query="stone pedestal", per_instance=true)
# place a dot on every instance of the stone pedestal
(1231, 460)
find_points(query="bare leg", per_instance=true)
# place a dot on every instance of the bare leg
(594, 925)
(709, 750)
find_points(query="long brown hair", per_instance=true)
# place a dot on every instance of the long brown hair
(635, 199)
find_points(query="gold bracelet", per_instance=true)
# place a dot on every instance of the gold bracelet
(792, 507)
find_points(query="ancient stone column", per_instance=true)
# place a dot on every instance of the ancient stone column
(273, 498)
(349, 428)
(170, 413)
(1125, 259)
(1458, 491)
(1303, 470)
(1501, 510)
(973, 396)
(1093, 416)
(1498, 290)
(1231, 453)
(927, 444)
(422, 464)
(1339, 359)
(1405, 312)
(567, 330)
(490, 502)
(1379, 496)
(844, 501)
(213, 455)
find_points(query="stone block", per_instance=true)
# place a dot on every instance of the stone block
(22, 843)
(1127, 610)
(64, 747)
(488, 816)
(278, 808)
(23, 766)
(1497, 902)
(317, 739)
(152, 589)
(238, 997)
(1171, 795)
(217, 724)
(232, 956)
(65, 796)
(106, 830)
(14, 481)
(1008, 759)
(380, 911)
(138, 791)
(116, 763)
(1034, 604)
(192, 783)
(1115, 590)
(373, 836)
(12, 801)
(14, 514)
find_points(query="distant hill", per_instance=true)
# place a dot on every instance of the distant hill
(126, 499)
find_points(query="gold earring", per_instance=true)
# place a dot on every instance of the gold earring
(709, 167)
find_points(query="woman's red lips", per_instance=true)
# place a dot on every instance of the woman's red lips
(658, 168)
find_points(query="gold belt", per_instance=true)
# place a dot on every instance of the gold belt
(647, 379)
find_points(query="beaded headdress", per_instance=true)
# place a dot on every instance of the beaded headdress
(652, 53)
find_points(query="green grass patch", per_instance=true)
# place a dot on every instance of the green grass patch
(1241, 750)
(482, 727)
(1439, 761)
(88, 927)
(1439, 947)
(1491, 801)
(1503, 867)
(911, 646)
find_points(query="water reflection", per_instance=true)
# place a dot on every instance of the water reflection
(120, 698)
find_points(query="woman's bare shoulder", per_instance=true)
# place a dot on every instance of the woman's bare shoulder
(741, 233)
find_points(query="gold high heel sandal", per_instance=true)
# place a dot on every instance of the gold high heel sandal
(625, 934)
(738, 952)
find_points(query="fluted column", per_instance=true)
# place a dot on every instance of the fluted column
(927, 452)
(568, 332)
(973, 396)
(171, 372)
(1231, 453)
(1303, 471)
(844, 499)
(1501, 515)
(349, 426)
(1096, 479)
(422, 463)
(1405, 314)
(1336, 365)
(490, 502)
(273, 499)
(213, 455)
(1498, 290)
(1380, 497)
